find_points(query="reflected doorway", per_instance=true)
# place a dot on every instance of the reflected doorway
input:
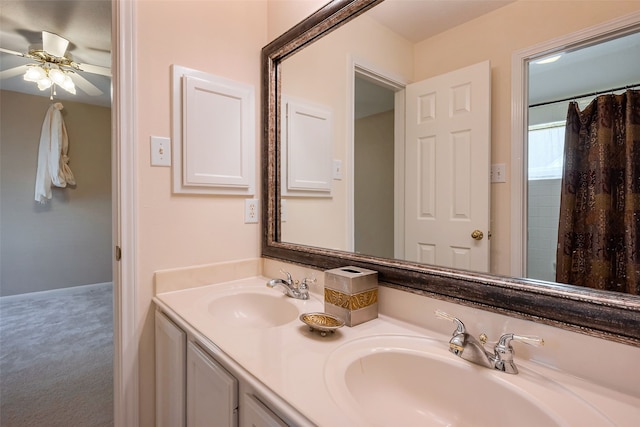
(373, 160)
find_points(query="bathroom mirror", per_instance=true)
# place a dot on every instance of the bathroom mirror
(608, 315)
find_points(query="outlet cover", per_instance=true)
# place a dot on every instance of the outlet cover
(251, 211)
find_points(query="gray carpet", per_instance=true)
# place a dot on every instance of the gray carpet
(56, 358)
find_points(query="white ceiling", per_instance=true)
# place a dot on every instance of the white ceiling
(85, 23)
(600, 67)
(417, 20)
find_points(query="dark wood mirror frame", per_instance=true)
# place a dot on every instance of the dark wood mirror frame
(607, 315)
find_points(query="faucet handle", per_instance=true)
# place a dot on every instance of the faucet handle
(504, 351)
(289, 278)
(460, 329)
(306, 281)
(505, 340)
(534, 341)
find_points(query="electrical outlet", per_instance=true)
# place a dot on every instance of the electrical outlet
(251, 211)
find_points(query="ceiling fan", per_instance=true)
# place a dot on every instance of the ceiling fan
(54, 66)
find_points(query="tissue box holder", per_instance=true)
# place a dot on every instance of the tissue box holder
(351, 293)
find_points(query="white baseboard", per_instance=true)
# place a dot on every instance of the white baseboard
(55, 292)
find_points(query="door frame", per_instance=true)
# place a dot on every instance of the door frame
(519, 118)
(124, 188)
(364, 68)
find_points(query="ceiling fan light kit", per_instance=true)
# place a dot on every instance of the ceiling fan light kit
(46, 76)
(55, 67)
(35, 74)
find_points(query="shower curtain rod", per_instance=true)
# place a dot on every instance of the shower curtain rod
(585, 95)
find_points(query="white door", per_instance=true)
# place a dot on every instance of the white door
(447, 169)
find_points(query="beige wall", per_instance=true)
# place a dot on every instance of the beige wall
(320, 74)
(66, 242)
(284, 14)
(222, 38)
(496, 36)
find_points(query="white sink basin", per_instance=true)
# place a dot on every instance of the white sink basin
(253, 310)
(411, 381)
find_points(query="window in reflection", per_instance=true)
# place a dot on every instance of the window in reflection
(545, 159)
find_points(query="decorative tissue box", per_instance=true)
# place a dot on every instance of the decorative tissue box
(351, 293)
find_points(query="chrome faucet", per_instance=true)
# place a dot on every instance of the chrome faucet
(292, 288)
(469, 348)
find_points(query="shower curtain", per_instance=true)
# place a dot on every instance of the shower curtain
(598, 239)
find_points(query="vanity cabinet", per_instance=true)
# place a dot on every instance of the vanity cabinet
(194, 389)
(171, 343)
(256, 414)
(212, 392)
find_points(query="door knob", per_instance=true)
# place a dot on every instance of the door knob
(477, 235)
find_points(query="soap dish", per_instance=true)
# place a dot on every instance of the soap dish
(322, 322)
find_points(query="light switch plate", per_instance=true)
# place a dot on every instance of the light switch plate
(283, 210)
(337, 169)
(498, 172)
(160, 151)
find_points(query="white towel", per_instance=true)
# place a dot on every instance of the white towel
(53, 162)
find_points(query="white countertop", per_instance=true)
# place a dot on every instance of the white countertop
(290, 359)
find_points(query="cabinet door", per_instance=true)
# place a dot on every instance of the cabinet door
(256, 414)
(170, 373)
(213, 134)
(212, 392)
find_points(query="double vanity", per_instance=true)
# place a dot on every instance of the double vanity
(234, 352)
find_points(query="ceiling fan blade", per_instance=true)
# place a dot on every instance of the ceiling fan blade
(12, 52)
(95, 69)
(84, 84)
(12, 72)
(53, 44)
